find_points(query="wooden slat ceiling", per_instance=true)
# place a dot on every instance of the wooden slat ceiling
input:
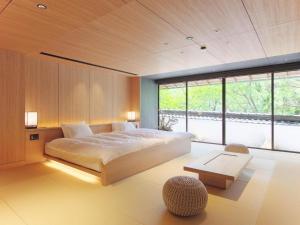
(277, 23)
(149, 36)
(3, 4)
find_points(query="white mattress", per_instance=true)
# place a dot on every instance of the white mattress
(91, 151)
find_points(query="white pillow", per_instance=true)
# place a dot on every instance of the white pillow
(76, 130)
(66, 128)
(122, 126)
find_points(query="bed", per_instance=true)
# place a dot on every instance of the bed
(117, 155)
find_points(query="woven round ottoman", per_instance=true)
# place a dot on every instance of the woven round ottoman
(185, 196)
(237, 148)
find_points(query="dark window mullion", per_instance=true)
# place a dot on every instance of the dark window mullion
(186, 107)
(272, 111)
(223, 110)
(158, 114)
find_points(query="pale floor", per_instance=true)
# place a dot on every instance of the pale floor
(267, 193)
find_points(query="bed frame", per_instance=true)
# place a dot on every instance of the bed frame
(135, 162)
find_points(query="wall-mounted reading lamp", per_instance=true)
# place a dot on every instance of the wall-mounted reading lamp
(31, 120)
(131, 117)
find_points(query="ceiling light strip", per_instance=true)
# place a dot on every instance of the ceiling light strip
(86, 63)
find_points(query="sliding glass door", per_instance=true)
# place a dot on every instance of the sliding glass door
(172, 107)
(287, 111)
(248, 110)
(205, 110)
(260, 111)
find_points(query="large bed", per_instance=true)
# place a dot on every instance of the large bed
(117, 155)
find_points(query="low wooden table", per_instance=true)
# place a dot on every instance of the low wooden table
(219, 169)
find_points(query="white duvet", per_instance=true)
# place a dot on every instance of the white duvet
(91, 151)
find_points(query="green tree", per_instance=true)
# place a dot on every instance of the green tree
(205, 98)
(172, 99)
(250, 96)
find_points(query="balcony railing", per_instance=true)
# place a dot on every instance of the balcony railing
(243, 117)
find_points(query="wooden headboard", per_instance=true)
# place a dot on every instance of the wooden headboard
(35, 148)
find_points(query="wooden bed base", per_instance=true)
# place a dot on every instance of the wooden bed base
(87, 170)
(135, 162)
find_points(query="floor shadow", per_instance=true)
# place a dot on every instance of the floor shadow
(236, 189)
(171, 219)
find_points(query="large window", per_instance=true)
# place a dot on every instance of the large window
(172, 107)
(248, 110)
(287, 111)
(205, 110)
(257, 110)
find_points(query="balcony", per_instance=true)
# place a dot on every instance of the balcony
(253, 130)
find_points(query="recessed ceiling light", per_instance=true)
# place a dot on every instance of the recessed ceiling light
(41, 6)
(203, 47)
(189, 38)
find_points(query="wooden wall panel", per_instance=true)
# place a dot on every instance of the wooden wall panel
(121, 96)
(101, 96)
(11, 107)
(41, 90)
(74, 100)
(135, 96)
(60, 93)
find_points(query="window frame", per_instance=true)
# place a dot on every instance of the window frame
(234, 73)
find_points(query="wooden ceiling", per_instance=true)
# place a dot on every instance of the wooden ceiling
(149, 36)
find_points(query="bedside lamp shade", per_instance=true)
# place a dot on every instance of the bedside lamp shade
(131, 116)
(31, 119)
